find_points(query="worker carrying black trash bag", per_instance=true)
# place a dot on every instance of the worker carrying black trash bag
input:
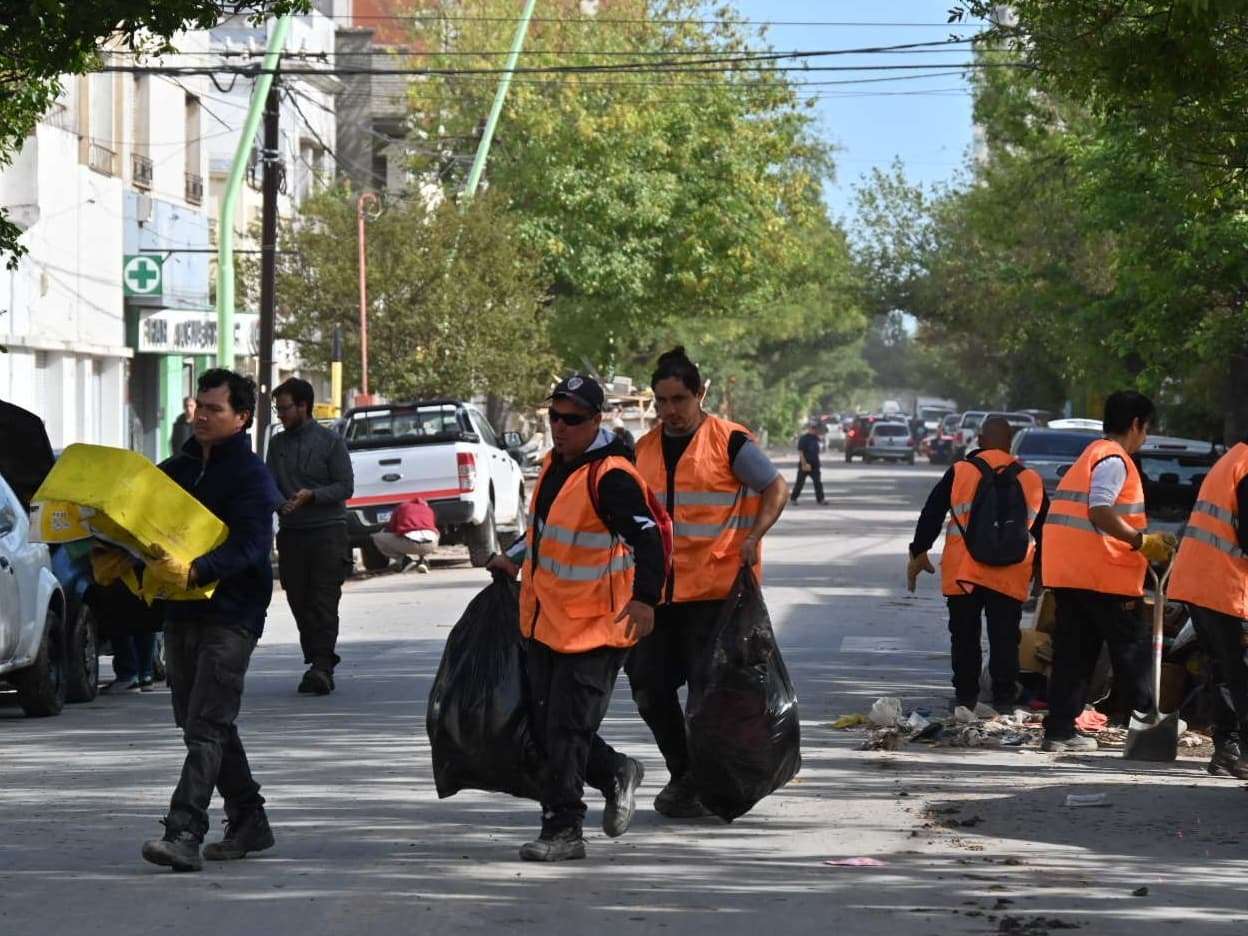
(594, 560)
(478, 715)
(743, 726)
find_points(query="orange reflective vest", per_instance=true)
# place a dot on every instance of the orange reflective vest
(712, 512)
(577, 575)
(959, 572)
(1077, 554)
(1210, 569)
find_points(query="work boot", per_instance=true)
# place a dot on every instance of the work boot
(1076, 745)
(249, 833)
(121, 687)
(1228, 761)
(178, 849)
(561, 845)
(422, 566)
(317, 681)
(622, 800)
(679, 800)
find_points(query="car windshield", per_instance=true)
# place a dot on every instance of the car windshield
(972, 420)
(410, 422)
(1059, 444)
(950, 423)
(1175, 469)
(891, 429)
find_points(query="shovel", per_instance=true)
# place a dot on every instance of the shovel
(1154, 736)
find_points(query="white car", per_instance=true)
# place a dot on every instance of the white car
(444, 452)
(889, 441)
(40, 656)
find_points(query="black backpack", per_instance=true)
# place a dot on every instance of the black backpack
(998, 531)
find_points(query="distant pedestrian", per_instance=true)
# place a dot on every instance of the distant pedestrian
(723, 494)
(313, 472)
(411, 533)
(1096, 556)
(976, 583)
(208, 644)
(183, 426)
(809, 443)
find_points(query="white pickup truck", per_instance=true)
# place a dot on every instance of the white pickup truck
(444, 452)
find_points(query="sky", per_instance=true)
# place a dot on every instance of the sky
(872, 124)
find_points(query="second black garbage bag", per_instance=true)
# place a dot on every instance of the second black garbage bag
(742, 721)
(478, 714)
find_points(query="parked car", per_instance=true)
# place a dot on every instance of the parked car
(889, 441)
(443, 451)
(856, 435)
(41, 646)
(967, 433)
(939, 447)
(1093, 425)
(1051, 452)
(833, 435)
(1173, 470)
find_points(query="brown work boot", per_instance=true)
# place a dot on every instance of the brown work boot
(249, 833)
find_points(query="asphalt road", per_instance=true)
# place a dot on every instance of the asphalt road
(973, 841)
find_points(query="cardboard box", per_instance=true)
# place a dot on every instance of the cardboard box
(1035, 652)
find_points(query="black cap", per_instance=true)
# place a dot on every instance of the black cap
(581, 390)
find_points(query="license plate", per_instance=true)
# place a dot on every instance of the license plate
(383, 516)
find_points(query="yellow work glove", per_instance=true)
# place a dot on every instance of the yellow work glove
(1158, 547)
(167, 568)
(917, 564)
(108, 564)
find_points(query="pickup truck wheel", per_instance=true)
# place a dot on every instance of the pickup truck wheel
(373, 558)
(509, 538)
(482, 539)
(82, 656)
(41, 686)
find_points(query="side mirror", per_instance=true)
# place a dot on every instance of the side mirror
(8, 520)
(512, 440)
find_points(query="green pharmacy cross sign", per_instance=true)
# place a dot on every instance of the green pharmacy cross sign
(143, 275)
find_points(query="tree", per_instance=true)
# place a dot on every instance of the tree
(455, 302)
(41, 41)
(651, 195)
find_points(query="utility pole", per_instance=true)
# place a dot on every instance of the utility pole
(335, 370)
(268, 262)
(487, 137)
(365, 398)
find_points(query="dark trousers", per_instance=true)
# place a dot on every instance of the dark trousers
(133, 656)
(312, 565)
(570, 693)
(1004, 614)
(816, 478)
(1085, 620)
(674, 654)
(1222, 637)
(206, 662)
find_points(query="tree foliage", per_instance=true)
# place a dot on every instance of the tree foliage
(41, 40)
(455, 305)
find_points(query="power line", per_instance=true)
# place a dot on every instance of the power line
(619, 21)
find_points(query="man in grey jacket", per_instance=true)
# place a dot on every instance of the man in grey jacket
(313, 471)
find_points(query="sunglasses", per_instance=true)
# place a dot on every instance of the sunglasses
(569, 419)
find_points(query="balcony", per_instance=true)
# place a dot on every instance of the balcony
(140, 171)
(101, 159)
(194, 189)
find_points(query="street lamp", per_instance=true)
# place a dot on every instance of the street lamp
(364, 398)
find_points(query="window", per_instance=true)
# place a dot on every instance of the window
(484, 430)
(406, 423)
(890, 430)
(101, 147)
(194, 161)
(1061, 444)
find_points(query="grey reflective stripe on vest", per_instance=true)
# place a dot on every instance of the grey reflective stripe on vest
(1077, 523)
(952, 531)
(1078, 497)
(1213, 510)
(711, 530)
(577, 537)
(581, 573)
(1217, 542)
(961, 510)
(707, 498)
(1127, 510)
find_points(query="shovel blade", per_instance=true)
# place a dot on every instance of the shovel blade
(1152, 736)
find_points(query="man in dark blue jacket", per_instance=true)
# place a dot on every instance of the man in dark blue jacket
(208, 644)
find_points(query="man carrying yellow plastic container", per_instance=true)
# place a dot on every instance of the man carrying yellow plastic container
(208, 644)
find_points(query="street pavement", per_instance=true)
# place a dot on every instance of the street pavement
(974, 841)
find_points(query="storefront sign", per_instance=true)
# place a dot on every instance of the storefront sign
(176, 331)
(143, 275)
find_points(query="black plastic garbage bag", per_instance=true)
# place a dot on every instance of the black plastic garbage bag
(742, 722)
(478, 714)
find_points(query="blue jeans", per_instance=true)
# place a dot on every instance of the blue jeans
(132, 657)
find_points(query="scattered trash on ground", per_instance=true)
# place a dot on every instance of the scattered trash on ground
(856, 863)
(850, 721)
(1088, 799)
(885, 712)
(964, 716)
(1036, 926)
(1091, 721)
(1140, 892)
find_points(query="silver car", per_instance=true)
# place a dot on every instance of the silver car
(890, 440)
(1051, 452)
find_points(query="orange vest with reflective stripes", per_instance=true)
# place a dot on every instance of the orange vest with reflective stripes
(1210, 569)
(1077, 554)
(959, 572)
(577, 575)
(712, 512)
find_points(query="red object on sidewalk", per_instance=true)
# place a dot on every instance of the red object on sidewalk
(1091, 721)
